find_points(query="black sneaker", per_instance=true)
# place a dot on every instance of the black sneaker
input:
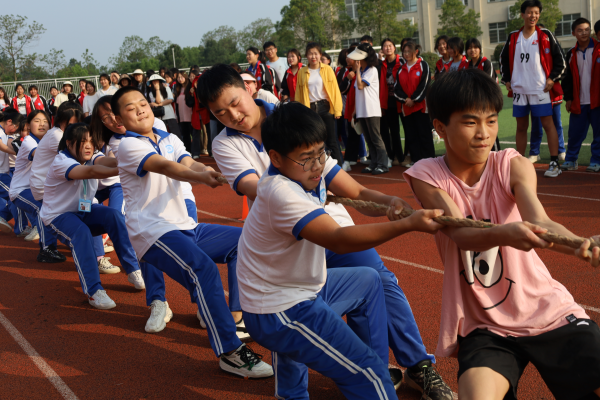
(424, 378)
(379, 171)
(50, 255)
(367, 170)
(396, 376)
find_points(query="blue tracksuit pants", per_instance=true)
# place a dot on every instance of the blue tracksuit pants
(31, 207)
(579, 124)
(537, 132)
(114, 195)
(8, 210)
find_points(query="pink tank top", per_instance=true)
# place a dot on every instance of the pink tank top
(503, 290)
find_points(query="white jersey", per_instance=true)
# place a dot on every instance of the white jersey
(108, 182)
(4, 161)
(528, 76)
(44, 156)
(20, 180)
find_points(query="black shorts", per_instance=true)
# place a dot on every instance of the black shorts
(567, 358)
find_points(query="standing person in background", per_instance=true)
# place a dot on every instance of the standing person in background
(264, 79)
(183, 111)
(169, 80)
(290, 79)
(348, 91)
(162, 71)
(90, 100)
(105, 88)
(63, 97)
(114, 80)
(410, 90)
(39, 102)
(279, 64)
(21, 101)
(455, 49)
(317, 89)
(250, 82)
(4, 100)
(125, 80)
(9, 125)
(340, 72)
(161, 96)
(139, 81)
(174, 74)
(390, 118)
(201, 138)
(443, 64)
(326, 59)
(236, 67)
(82, 91)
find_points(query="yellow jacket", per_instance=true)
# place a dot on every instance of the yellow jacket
(330, 85)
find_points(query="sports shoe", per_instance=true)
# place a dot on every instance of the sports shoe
(406, 161)
(533, 158)
(367, 170)
(136, 279)
(33, 235)
(160, 314)
(395, 162)
(396, 376)
(351, 163)
(593, 167)
(4, 226)
(553, 170)
(26, 231)
(365, 161)
(108, 249)
(50, 255)
(346, 166)
(561, 156)
(389, 164)
(424, 378)
(569, 166)
(379, 171)
(101, 301)
(105, 267)
(244, 362)
(195, 157)
(407, 166)
(202, 324)
(204, 152)
(108, 244)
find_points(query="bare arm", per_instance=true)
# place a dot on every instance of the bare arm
(178, 171)
(248, 185)
(92, 172)
(109, 162)
(7, 148)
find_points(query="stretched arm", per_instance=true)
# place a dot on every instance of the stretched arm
(248, 186)
(160, 165)
(109, 162)
(7, 148)
(92, 172)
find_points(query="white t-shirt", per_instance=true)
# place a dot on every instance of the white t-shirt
(107, 182)
(267, 96)
(20, 179)
(316, 90)
(62, 193)
(585, 63)
(367, 100)
(89, 101)
(101, 92)
(280, 66)
(528, 76)
(276, 268)
(22, 104)
(44, 156)
(4, 162)
(154, 203)
(169, 112)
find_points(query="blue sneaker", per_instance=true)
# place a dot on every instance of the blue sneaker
(569, 166)
(593, 167)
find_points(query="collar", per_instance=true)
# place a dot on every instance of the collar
(364, 70)
(590, 45)
(161, 133)
(118, 136)
(272, 171)
(35, 138)
(269, 108)
(67, 153)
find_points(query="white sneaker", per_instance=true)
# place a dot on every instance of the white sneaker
(105, 267)
(136, 279)
(4, 226)
(241, 332)
(346, 166)
(351, 163)
(25, 231)
(389, 164)
(561, 156)
(202, 324)
(553, 170)
(407, 160)
(33, 235)
(101, 301)
(108, 249)
(160, 314)
(244, 362)
(534, 159)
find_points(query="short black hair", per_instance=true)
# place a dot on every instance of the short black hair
(290, 126)
(104, 76)
(313, 45)
(578, 22)
(531, 3)
(253, 49)
(367, 38)
(296, 52)
(15, 116)
(268, 44)
(597, 27)
(114, 102)
(82, 80)
(341, 61)
(75, 133)
(372, 60)
(389, 40)
(98, 130)
(469, 89)
(438, 40)
(414, 46)
(33, 113)
(33, 87)
(17, 86)
(214, 80)
(473, 42)
(327, 56)
(91, 83)
(66, 111)
(456, 44)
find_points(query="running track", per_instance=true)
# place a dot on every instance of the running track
(54, 345)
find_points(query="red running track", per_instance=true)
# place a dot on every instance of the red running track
(90, 353)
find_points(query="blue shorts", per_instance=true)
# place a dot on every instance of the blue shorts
(539, 105)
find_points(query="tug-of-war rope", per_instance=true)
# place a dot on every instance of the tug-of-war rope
(572, 242)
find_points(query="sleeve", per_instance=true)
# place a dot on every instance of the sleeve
(189, 99)
(132, 156)
(505, 61)
(426, 171)
(267, 80)
(62, 167)
(28, 147)
(232, 163)
(567, 82)
(169, 94)
(178, 148)
(399, 92)
(285, 91)
(86, 105)
(335, 96)
(291, 210)
(421, 90)
(331, 170)
(558, 59)
(96, 156)
(46, 108)
(488, 68)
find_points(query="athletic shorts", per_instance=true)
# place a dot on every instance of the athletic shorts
(540, 105)
(567, 358)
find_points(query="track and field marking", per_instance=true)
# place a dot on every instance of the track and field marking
(377, 177)
(42, 365)
(543, 143)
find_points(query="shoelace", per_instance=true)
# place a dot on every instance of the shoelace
(249, 357)
(431, 379)
(156, 308)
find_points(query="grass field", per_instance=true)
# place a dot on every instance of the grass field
(508, 127)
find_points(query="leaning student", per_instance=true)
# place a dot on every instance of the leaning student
(501, 308)
(151, 165)
(68, 210)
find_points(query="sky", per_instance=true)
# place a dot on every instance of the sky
(74, 26)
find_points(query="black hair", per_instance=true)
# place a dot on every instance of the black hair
(597, 27)
(169, 74)
(98, 130)
(53, 87)
(104, 76)
(292, 125)
(313, 45)
(162, 88)
(17, 86)
(22, 126)
(36, 112)
(253, 49)
(578, 22)
(268, 44)
(232, 65)
(411, 44)
(92, 84)
(297, 53)
(353, 44)
(174, 71)
(531, 3)
(214, 80)
(75, 133)
(248, 73)
(391, 41)
(404, 40)
(82, 80)
(114, 102)
(327, 56)
(367, 38)
(474, 42)
(14, 115)
(439, 39)
(162, 69)
(342, 58)
(456, 44)
(149, 73)
(470, 89)
(372, 60)
(66, 111)
(32, 87)
(115, 72)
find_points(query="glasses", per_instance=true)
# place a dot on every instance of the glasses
(105, 120)
(310, 162)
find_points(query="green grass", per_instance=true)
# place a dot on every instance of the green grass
(508, 126)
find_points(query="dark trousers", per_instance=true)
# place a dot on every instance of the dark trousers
(322, 108)
(173, 127)
(353, 143)
(186, 132)
(390, 133)
(370, 127)
(419, 140)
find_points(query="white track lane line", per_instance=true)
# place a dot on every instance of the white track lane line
(48, 372)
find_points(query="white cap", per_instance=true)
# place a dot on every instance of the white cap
(357, 55)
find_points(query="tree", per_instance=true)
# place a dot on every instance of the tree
(379, 18)
(430, 58)
(54, 61)
(155, 46)
(89, 63)
(29, 68)
(455, 22)
(404, 29)
(16, 36)
(256, 34)
(497, 51)
(550, 15)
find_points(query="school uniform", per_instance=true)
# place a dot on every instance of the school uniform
(441, 67)
(163, 234)
(355, 146)
(21, 221)
(390, 108)
(110, 188)
(288, 83)
(63, 212)
(292, 304)
(239, 155)
(8, 210)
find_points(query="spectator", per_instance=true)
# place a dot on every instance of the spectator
(162, 71)
(140, 80)
(348, 92)
(125, 80)
(318, 90)
(63, 97)
(105, 87)
(278, 64)
(169, 80)
(21, 101)
(90, 100)
(290, 79)
(443, 64)
(182, 110)
(236, 67)
(367, 39)
(455, 50)
(174, 74)
(201, 139)
(114, 79)
(161, 96)
(52, 101)
(390, 119)
(39, 102)
(250, 82)
(265, 76)
(326, 59)
(4, 100)
(82, 91)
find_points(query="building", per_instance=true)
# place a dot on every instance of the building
(494, 16)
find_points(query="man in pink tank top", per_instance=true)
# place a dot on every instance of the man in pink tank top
(501, 308)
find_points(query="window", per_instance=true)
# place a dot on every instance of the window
(438, 3)
(498, 32)
(351, 8)
(563, 27)
(416, 37)
(409, 6)
(347, 42)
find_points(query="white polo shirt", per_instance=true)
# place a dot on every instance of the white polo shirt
(44, 156)
(367, 100)
(107, 182)
(239, 155)
(20, 180)
(277, 268)
(154, 203)
(61, 193)
(4, 162)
